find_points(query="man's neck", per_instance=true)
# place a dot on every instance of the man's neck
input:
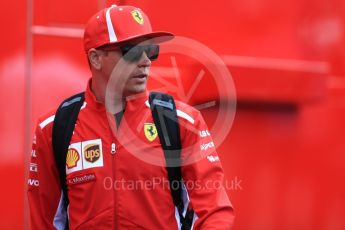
(115, 104)
(98, 88)
(113, 101)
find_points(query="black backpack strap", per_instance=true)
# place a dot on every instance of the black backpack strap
(164, 114)
(64, 122)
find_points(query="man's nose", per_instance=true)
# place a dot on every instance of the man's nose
(144, 61)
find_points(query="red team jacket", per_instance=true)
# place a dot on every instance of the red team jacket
(116, 177)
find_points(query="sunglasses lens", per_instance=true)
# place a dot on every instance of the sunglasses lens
(130, 53)
(133, 53)
(152, 52)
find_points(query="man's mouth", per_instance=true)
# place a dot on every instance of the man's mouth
(140, 76)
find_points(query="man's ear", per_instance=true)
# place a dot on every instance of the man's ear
(94, 59)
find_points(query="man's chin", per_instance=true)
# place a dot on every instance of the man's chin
(134, 91)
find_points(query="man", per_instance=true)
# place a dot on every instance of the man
(115, 172)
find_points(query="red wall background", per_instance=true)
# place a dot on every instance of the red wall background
(287, 60)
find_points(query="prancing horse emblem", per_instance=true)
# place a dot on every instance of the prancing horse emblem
(150, 131)
(138, 17)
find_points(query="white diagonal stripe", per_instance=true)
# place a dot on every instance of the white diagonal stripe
(47, 121)
(185, 116)
(111, 31)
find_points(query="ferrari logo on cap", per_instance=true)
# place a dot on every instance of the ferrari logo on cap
(150, 131)
(138, 17)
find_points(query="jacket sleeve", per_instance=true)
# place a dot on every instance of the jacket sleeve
(203, 178)
(44, 192)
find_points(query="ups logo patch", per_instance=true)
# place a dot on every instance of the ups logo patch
(92, 153)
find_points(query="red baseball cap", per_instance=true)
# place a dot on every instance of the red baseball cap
(120, 24)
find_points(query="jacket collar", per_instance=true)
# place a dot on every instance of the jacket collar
(133, 102)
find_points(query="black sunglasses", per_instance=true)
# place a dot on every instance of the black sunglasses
(132, 53)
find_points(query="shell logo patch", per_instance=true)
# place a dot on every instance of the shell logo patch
(150, 131)
(72, 158)
(138, 17)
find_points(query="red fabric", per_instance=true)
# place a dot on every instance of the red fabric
(130, 189)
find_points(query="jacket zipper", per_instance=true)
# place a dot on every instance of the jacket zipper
(113, 152)
(113, 163)
(113, 148)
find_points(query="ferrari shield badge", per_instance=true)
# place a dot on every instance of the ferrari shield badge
(150, 131)
(138, 17)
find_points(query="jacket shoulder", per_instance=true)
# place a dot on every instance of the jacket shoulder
(46, 119)
(186, 111)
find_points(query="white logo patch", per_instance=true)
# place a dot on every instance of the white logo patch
(79, 164)
(92, 154)
(84, 155)
(206, 146)
(213, 158)
(204, 133)
(33, 182)
(33, 167)
(33, 153)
